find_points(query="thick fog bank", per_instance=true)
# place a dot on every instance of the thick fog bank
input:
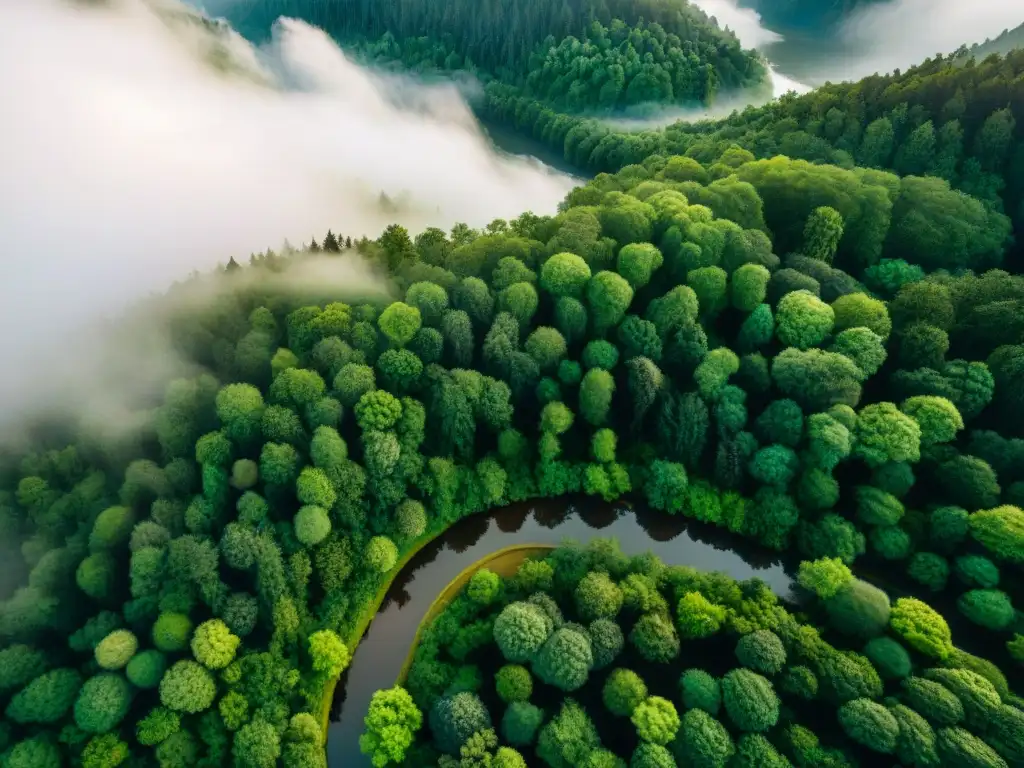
(129, 161)
(878, 37)
(904, 32)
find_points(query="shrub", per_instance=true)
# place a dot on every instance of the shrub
(37, 752)
(623, 692)
(938, 418)
(978, 696)
(703, 742)
(568, 738)
(800, 681)
(453, 719)
(870, 724)
(825, 576)
(513, 683)
(656, 720)
(697, 617)
(988, 608)
(959, 748)
(46, 698)
(755, 751)
(750, 700)
(410, 519)
(929, 570)
(921, 627)
(187, 687)
(328, 654)
(606, 641)
(1001, 532)
(483, 587)
(565, 660)
(102, 703)
(390, 724)
(655, 638)
(651, 756)
(803, 320)
(700, 690)
(520, 723)
(257, 744)
(564, 274)
(597, 596)
(116, 649)
(171, 632)
(915, 744)
(933, 701)
(977, 571)
(889, 657)
(859, 609)
(213, 645)
(762, 651)
(520, 630)
(312, 525)
(381, 554)
(146, 669)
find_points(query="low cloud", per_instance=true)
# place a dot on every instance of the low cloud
(886, 36)
(129, 161)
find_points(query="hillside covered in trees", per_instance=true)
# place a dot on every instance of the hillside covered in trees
(580, 56)
(957, 119)
(824, 361)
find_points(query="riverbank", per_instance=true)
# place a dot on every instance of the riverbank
(353, 640)
(381, 654)
(505, 562)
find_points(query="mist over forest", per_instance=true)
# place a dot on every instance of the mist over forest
(310, 303)
(131, 161)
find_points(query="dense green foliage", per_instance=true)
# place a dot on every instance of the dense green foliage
(823, 359)
(582, 56)
(953, 119)
(888, 701)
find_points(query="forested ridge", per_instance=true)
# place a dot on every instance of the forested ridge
(579, 56)
(957, 119)
(765, 346)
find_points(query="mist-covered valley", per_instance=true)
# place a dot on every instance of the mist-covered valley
(301, 323)
(131, 160)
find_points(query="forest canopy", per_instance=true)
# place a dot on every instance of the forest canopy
(747, 343)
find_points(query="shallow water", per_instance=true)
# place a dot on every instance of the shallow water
(378, 659)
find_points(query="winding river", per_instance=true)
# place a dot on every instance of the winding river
(378, 659)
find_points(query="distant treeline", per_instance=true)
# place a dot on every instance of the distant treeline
(578, 56)
(960, 121)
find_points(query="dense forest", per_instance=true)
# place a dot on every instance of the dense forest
(592, 658)
(768, 346)
(578, 56)
(956, 119)
(802, 326)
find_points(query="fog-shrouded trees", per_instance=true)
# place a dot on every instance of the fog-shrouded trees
(764, 346)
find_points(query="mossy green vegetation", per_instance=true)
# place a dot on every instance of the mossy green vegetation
(751, 690)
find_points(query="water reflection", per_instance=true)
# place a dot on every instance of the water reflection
(379, 657)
